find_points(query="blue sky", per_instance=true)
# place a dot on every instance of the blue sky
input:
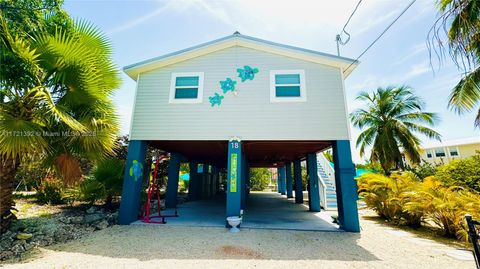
(140, 30)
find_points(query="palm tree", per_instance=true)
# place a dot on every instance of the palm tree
(55, 102)
(462, 19)
(389, 121)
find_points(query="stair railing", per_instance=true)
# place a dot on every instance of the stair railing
(327, 168)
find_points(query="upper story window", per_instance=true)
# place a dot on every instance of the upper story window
(440, 152)
(453, 152)
(429, 154)
(186, 88)
(287, 86)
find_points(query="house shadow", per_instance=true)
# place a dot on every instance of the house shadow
(157, 242)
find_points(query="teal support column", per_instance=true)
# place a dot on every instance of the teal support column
(234, 178)
(288, 171)
(279, 184)
(244, 182)
(297, 176)
(248, 179)
(281, 176)
(193, 182)
(314, 193)
(346, 186)
(172, 183)
(132, 182)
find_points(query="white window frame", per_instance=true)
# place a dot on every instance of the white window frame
(445, 151)
(432, 154)
(303, 86)
(173, 80)
(458, 152)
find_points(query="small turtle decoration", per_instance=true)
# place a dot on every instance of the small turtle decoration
(216, 99)
(136, 170)
(247, 73)
(228, 85)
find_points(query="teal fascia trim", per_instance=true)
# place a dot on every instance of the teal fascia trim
(288, 171)
(172, 184)
(346, 186)
(130, 203)
(314, 194)
(234, 178)
(297, 175)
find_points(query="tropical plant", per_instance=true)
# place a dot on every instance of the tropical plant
(90, 190)
(460, 22)
(54, 101)
(403, 200)
(388, 196)
(390, 120)
(49, 191)
(109, 173)
(423, 170)
(464, 173)
(259, 178)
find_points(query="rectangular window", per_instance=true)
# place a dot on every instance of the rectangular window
(186, 88)
(453, 152)
(429, 154)
(287, 86)
(440, 152)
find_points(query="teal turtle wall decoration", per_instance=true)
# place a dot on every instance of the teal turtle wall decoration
(247, 73)
(216, 99)
(228, 85)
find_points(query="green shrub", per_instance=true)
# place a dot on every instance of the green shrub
(406, 201)
(50, 191)
(424, 170)
(259, 178)
(109, 174)
(388, 196)
(90, 190)
(465, 173)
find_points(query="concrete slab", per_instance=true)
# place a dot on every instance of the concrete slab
(265, 210)
(268, 210)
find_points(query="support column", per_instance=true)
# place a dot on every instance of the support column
(244, 182)
(314, 193)
(132, 182)
(281, 176)
(234, 178)
(279, 183)
(193, 183)
(172, 183)
(288, 171)
(297, 175)
(346, 186)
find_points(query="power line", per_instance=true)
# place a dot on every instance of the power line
(383, 32)
(339, 39)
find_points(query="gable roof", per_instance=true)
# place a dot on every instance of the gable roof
(238, 39)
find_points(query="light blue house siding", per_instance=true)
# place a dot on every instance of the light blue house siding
(250, 115)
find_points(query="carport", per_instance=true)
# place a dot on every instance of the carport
(261, 210)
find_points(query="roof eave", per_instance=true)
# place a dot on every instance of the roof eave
(343, 63)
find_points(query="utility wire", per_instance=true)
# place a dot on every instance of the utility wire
(384, 31)
(339, 39)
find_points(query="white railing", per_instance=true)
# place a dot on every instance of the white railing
(326, 167)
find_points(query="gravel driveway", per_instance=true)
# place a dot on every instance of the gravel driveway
(157, 246)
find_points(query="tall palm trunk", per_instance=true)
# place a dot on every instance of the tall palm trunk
(8, 168)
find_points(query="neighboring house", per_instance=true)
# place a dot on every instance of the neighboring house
(240, 102)
(445, 151)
